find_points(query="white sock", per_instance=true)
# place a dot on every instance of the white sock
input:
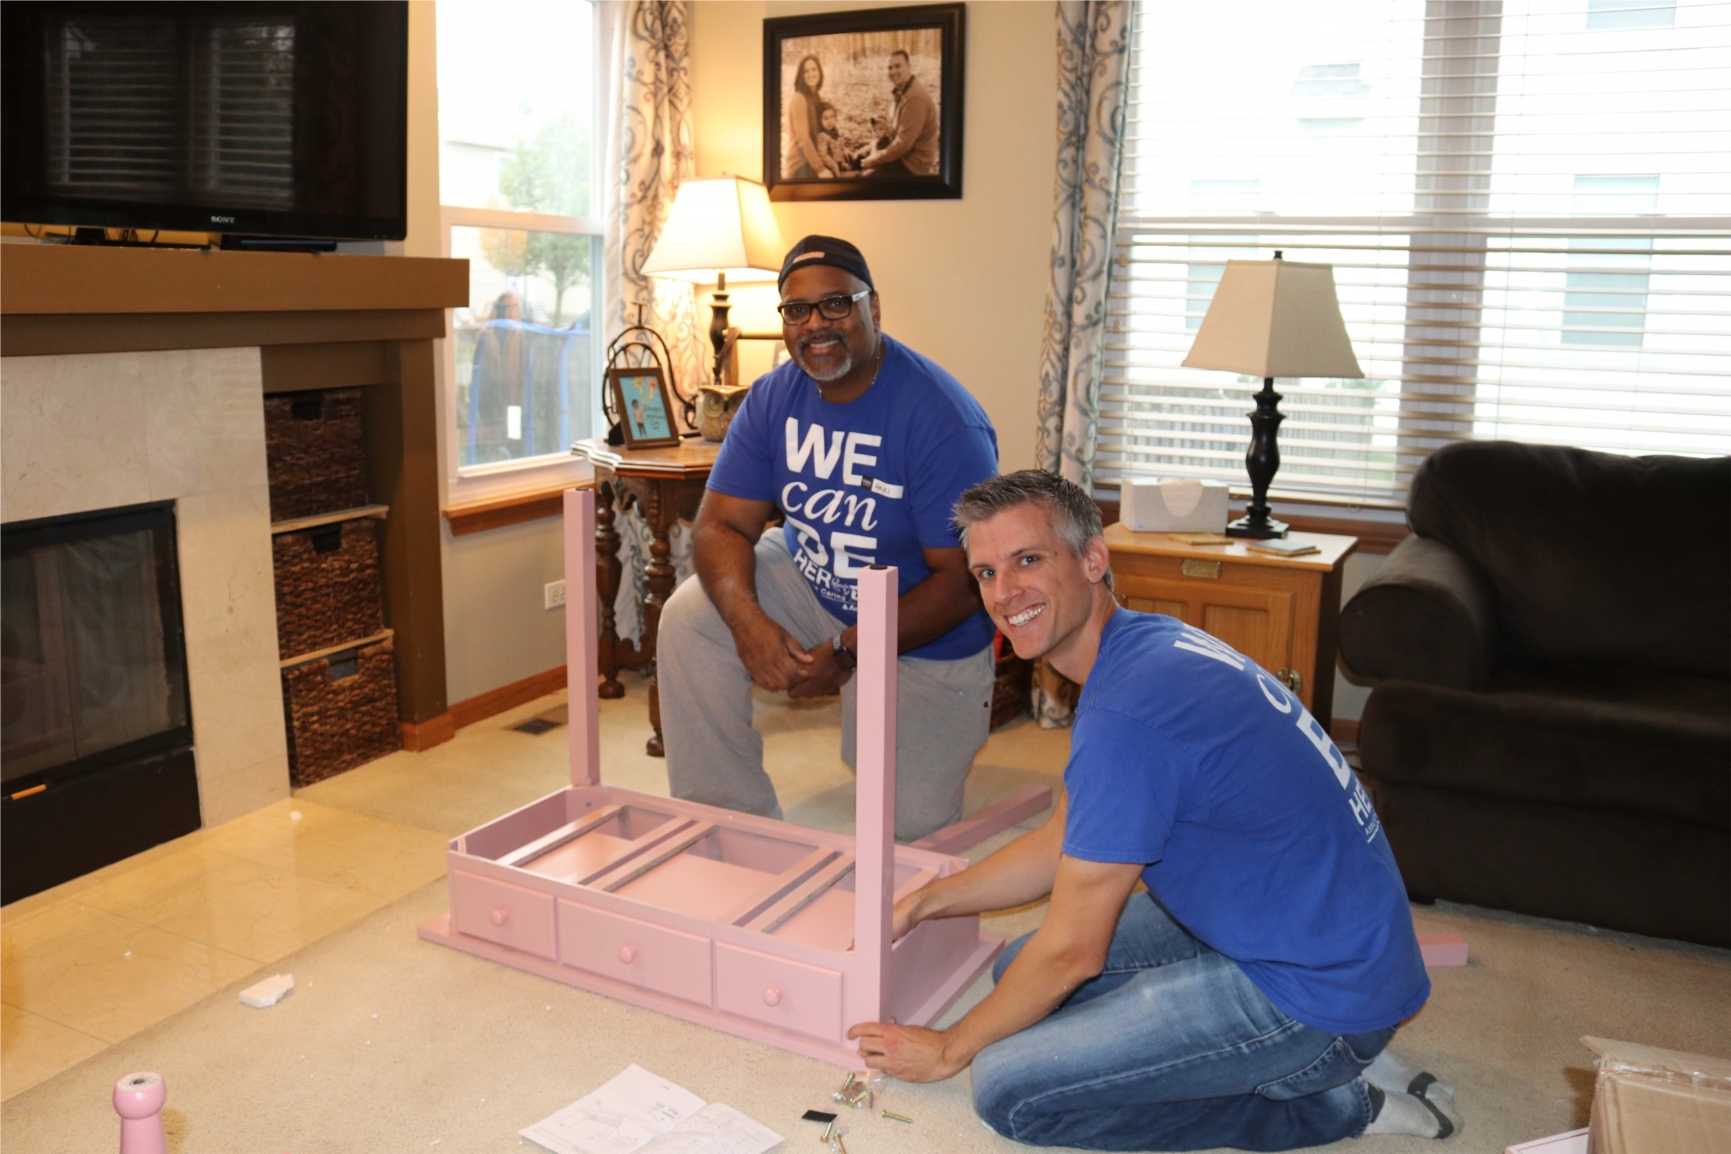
(1395, 1074)
(1421, 1117)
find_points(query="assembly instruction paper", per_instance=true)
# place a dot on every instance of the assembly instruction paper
(638, 1112)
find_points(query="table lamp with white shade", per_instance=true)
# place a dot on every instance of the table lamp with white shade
(720, 227)
(1272, 318)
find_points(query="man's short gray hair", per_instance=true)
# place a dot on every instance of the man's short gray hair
(1074, 515)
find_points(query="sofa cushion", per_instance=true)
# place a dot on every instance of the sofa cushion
(1593, 557)
(1656, 745)
(1635, 872)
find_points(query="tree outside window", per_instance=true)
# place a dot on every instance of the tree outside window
(517, 130)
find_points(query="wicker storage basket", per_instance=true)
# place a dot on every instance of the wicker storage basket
(328, 589)
(313, 453)
(340, 711)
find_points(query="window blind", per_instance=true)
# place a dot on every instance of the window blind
(121, 123)
(1527, 206)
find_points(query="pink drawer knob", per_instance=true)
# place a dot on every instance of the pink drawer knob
(499, 917)
(772, 996)
(628, 954)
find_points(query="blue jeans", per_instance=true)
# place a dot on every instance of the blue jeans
(1172, 1048)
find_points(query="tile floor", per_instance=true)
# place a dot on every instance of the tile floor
(98, 959)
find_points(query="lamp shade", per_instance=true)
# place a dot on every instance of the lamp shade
(718, 224)
(1275, 318)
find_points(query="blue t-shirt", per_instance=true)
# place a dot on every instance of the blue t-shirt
(1257, 837)
(868, 482)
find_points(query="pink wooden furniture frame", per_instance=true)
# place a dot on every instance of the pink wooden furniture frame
(768, 930)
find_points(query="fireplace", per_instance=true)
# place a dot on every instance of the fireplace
(96, 749)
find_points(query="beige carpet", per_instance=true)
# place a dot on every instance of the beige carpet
(391, 1043)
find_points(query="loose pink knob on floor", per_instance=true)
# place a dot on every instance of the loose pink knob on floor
(627, 954)
(497, 917)
(138, 1099)
(772, 996)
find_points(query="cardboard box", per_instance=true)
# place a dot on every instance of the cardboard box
(1655, 1101)
(1569, 1142)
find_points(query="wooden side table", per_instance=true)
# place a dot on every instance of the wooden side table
(1281, 612)
(666, 486)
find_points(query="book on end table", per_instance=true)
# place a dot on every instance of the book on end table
(1283, 547)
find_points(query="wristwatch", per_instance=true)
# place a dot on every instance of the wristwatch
(845, 658)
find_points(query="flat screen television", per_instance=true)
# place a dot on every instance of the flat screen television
(248, 119)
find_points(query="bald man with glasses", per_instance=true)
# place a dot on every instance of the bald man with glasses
(863, 445)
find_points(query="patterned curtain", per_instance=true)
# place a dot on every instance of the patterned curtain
(1093, 78)
(650, 134)
(1093, 74)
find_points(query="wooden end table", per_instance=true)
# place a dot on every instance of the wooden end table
(666, 486)
(1281, 612)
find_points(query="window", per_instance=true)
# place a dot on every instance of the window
(1529, 222)
(1209, 254)
(519, 101)
(1325, 96)
(1605, 294)
(1631, 13)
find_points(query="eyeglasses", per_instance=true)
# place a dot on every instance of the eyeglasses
(830, 308)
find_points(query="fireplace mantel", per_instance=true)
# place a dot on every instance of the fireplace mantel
(91, 279)
(320, 321)
(58, 298)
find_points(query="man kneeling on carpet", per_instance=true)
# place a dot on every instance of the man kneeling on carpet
(1246, 998)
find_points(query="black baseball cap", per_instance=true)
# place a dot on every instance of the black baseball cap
(828, 250)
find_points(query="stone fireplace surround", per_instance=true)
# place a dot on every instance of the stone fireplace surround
(86, 432)
(130, 375)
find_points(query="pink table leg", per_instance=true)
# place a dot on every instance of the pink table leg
(995, 818)
(875, 797)
(582, 638)
(1443, 949)
(138, 1099)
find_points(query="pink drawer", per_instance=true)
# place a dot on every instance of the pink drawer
(627, 950)
(503, 913)
(788, 994)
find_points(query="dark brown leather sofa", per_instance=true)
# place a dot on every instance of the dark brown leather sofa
(1550, 730)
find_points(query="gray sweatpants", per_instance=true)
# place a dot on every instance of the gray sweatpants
(714, 756)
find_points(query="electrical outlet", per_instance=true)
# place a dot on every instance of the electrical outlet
(553, 595)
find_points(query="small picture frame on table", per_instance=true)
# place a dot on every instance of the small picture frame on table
(645, 407)
(864, 104)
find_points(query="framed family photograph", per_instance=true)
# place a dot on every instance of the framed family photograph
(864, 105)
(645, 407)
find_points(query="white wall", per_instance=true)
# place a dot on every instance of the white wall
(962, 281)
(423, 232)
(496, 631)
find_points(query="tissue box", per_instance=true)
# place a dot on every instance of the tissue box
(1172, 506)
